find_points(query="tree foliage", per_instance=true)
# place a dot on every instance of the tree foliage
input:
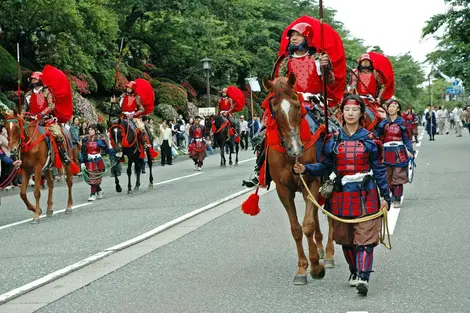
(453, 49)
(164, 41)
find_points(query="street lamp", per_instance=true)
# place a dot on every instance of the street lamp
(206, 66)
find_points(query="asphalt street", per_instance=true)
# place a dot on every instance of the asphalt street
(32, 251)
(239, 263)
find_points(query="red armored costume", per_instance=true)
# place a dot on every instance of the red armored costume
(370, 81)
(197, 149)
(306, 67)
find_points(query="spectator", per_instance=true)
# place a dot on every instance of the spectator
(209, 145)
(166, 140)
(254, 127)
(243, 133)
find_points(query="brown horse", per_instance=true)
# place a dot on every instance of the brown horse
(286, 110)
(26, 141)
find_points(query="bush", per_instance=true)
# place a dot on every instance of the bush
(7, 102)
(192, 110)
(8, 67)
(133, 73)
(84, 108)
(172, 94)
(166, 111)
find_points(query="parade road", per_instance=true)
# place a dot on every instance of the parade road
(197, 252)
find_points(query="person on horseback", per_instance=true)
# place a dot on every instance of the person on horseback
(308, 67)
(92, 162)
(354, 154)
(40, 103)
(197, 148)
(132, 109)
(366, 81)
(225, 106)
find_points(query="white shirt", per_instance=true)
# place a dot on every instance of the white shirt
(243, 126)
(167, 134)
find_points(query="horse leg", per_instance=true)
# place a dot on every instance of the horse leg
(129, 175)
(69, 178)
(37, 193)
(287, 200)
(25, 176)
(138, 171)
(230, 154)
(50, 187)
(222, 154)
(318, 233)
(237, 148)
(149, 163)
(330, 247)
(317, 270)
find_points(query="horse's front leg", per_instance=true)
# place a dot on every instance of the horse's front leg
(287, 199)
(25, 176)
(37, 193)
(330, 247)
(317, 270)
(50, 188)
(237, 148)
(230, 154)
(222, 155)
(138, 171)
(69, 177)
(129, 175)
(150, 163)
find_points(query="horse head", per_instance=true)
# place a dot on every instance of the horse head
(13, 124)
(286, 109)
(116, 132)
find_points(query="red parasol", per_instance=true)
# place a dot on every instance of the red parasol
(384, 67)
(145, 90)
(237, 96)
(59, 85)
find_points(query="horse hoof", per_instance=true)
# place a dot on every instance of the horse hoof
(49, 213)
(150, 186)
(35, 220)
(329, 263)
(300, 280)
(118, 189)
(236, 164)
(130, 192)
(136, 188)
(230, 163)
(319, 275)
(321, 253)
(68, 211)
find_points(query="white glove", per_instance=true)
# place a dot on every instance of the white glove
(83, 166)
(119, 154)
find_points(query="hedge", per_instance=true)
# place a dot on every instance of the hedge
(8, 67)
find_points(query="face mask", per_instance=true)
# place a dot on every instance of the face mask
(370, 68)
(34, 85)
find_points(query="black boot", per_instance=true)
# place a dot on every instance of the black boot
(259, 163)
(64, 156)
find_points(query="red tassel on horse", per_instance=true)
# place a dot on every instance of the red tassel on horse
(251, 205)
(74, 168)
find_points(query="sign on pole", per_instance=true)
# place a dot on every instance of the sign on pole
(206, 111)
(254, 85)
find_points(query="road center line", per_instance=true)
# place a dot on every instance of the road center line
(394, 212)
(175, 179)
(247, 160)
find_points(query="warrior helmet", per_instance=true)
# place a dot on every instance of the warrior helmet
(36, 75)
(132, 85)
(305, 30)
(365, 56)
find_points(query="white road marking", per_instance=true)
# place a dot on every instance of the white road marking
(100, 255)
(176, 221)
(42, 216)
(52, 276)
(175, 179)
(247, 160)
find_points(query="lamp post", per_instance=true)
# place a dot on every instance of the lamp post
(206, 66)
